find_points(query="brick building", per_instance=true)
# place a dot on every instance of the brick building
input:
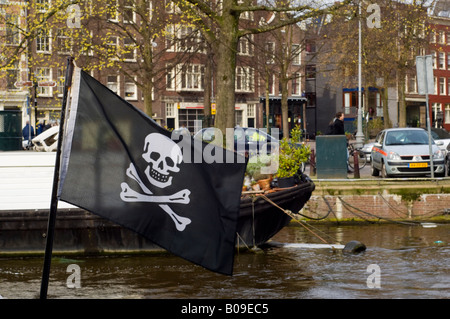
(180, 58)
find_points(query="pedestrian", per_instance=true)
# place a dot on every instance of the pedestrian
(40, 127)
(338, 125)
(28, 133)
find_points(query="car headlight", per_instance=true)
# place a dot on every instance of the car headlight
(392, 156)
(438, 155)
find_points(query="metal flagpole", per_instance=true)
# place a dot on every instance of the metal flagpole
(359, 132)
(54, 199)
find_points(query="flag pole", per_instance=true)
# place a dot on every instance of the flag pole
(54, 199)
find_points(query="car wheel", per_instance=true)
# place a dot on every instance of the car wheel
(383, 171)
(375, 171)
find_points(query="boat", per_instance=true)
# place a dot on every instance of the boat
(262, 215)
(23, 232)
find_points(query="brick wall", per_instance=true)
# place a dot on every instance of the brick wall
(372, 207)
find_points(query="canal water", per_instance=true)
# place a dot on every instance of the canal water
(401, 261)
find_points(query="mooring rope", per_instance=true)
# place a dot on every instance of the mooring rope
(290, 214)
(373, 215)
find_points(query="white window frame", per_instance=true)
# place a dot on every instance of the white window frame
(115, 16)
(44, 41)
(133, 51)
(245, 46)
(171, 84)
(245, 79)
(113, 46)
(447, 114)
(113, 85)
(44, 74)
(190, 77)
(130, 90)
(297, 83)
(170, 110)
(129, 5)
(270, 52)
(442, 60)
(442, 86)
(296, 54)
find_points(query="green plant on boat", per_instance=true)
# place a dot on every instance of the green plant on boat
(292, 154)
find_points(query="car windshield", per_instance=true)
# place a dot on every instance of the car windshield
(407, 137)
(439, 134)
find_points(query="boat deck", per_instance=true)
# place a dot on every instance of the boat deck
(26, 179)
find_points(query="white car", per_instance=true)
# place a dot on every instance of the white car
(405, 152)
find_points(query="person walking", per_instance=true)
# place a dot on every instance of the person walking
(338, 125)
(28, 133)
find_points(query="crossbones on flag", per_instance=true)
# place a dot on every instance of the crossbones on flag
(119, 164)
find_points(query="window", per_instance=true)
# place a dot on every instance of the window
(435, 86)
(441, 60)
(63, 42)
(310, 47)
(248, 15)
(170, 109)
(60, 78)
(129, 15)
(12, 75)
(433, 54)
(12, 31)
(112, 13)
(296, 84)
(436, 109)
(447, 114)
(442, 86)
(130, 89)
(448, 38)
(251, 115)
(112, 46)
(244, 79)
(441, 37)
(129, 49)
(448, 86)
(270, 49)
(350, 102)
(411, 84)
(296, 57)
(272, 84)
(192, 77)
(113, 83)
(310, 72)
(42, 5)
(44, 74)
(448, 61)
(245, 47)
(182, 38)
(433, 36)
(170, 78)
(43, 41)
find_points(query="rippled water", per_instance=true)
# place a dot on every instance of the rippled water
(410, 261)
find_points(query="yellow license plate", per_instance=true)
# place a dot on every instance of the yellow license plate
(418, 165)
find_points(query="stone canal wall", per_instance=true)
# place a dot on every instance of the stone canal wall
(404, 199)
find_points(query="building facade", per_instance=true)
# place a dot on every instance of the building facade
(181, 69)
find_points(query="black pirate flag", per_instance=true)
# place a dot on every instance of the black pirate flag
(121, 165)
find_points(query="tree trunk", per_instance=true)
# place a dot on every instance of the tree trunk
(284, 107)
(387, 119)
(226, 72)
(147, 92)
(401, 100)
(207, 121)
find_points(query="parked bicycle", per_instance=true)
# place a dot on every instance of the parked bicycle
(362, 160)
